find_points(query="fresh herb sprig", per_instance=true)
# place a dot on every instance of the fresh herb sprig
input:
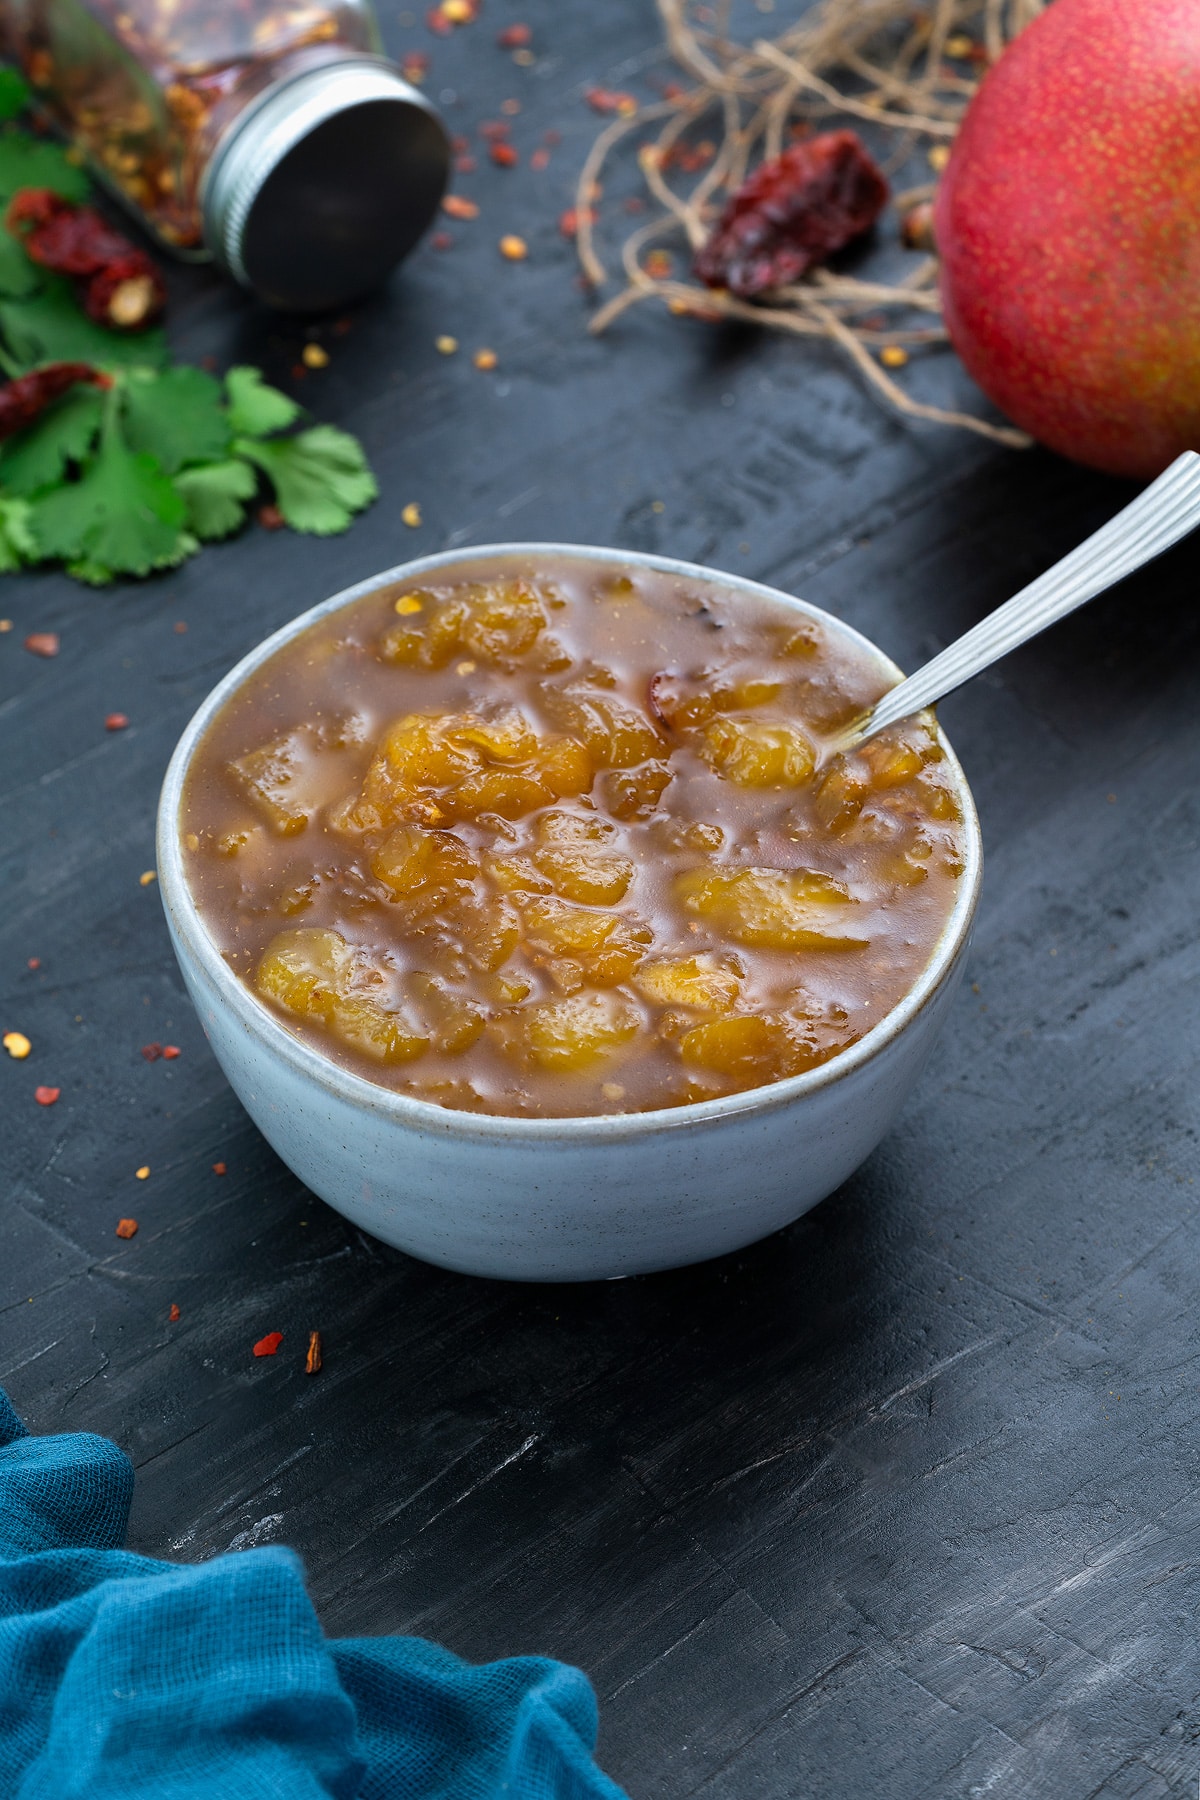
(137, 475)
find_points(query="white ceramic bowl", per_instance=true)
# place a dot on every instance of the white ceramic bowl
(557, 1199)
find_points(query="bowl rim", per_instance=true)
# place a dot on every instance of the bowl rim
(192, 936)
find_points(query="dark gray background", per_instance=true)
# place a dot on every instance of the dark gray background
(901, 1502)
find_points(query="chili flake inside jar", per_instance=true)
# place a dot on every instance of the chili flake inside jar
(565, 838)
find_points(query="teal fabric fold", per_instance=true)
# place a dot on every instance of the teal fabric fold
(123, 1678)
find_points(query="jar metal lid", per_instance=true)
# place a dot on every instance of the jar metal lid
(320, 187)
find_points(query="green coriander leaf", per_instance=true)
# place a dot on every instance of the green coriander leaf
(51, 326)
(98, 574)
(321, 477)
(18, 276)
(14, 93)
(37, 457)
(176, 415)
(27, 161)
(17, 543)
(256, 410)
(123, 513)
(214, 496)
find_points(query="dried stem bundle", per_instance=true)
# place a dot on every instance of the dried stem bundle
(881, 61)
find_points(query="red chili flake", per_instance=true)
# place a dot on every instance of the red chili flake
(218, 1168)
(270, 517)
(540, 158)
(35, 962)
(170, 1052)
(174, 1315)
(437, 22)
(514, 37)
(494, 128)
(119, 285)
(465, 165)
(116, 721)
(552, 137)
(568, 222)
(414, 66)
(459, 207)
(267, 1346)
(127, 1228)
(152, 1052)
(181, 626)
(792, 213)
(46, 1096)
(459, 144)
(610, 100)
(313, 1360)
(505, 155)
(672, 90)
(27, 397)
(42, 643)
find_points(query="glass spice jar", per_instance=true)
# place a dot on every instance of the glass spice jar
(271, 135)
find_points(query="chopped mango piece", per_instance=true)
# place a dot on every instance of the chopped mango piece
(753, 753)
(706, 982)
(616, 733)
(411, 858)
(635, 793)
(272, 777)
(455, 1022)
(312, 973)
(431, 767)
(752, 1048)
(607, 947)
(495, 621)
(575, 854)
(775, 909)
(566, 1035)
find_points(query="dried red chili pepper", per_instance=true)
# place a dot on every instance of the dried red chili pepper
(792, 213)
(118, 284)
(267, 1346)
(174, 1315)
(312, 1362)
(24, 399)
(151, 1052)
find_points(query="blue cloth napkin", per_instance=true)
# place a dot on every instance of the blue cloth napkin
(124, 1677)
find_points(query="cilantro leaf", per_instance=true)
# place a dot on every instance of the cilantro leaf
(17, 543)
(18, 276)
(27, 161)
(214, 496)
(51, 326)
(14, 93)
(123, 515)
(98, 574)
(321, 477)
(38, 456)
(176, 415)
(256, 410)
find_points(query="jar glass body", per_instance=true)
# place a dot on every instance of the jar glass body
(147, 88)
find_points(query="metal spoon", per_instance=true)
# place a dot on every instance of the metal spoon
(1167, 510)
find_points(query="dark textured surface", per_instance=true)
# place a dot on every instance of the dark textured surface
(905, 1501)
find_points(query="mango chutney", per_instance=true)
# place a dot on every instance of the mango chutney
(556, 838)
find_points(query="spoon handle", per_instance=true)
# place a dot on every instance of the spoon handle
(1167, 510)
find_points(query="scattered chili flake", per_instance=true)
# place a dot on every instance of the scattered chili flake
(267, 1346)
(540, 158)
(127, 1228)
(46, 1096)
(142, 1174)
(610, 100)
(916, 227)
(5, 624)
(485, 359)
(792, 213)
(42, 643)
(119, 285)
(414, 67)
(514, 36)
(35, 962)
(152, 1052)
(465, 165)
(459, 207)
(181, 626)
(25, 398)
(411, 514)
(218, 1168)
(513, 248)
(552, 137)
(511, 107)
(312, 1362)
(446, 345)
(504, 155)
(441, 240)
(116, 721)
(270, 517)
(17, 1045)
(493, 128)
(438, 22)
(170, 1052)
(568, 222)
(893, 356)
(174, 1316)
(315, 357)
(459, 144)
(148, 877)
(938, 157)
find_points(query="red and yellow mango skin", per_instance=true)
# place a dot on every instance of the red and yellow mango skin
(1068, 222)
